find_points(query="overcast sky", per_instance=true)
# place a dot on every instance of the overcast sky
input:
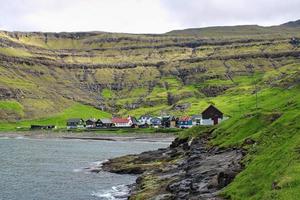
(141, 16)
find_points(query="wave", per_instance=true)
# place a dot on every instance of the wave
(93, 167)
(120, 192)
(77, 170)
(98, 163)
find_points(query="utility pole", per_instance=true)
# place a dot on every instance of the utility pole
(256, 97)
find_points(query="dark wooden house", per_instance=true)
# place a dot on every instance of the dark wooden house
(169, 121)
(212, 113)
(91, 123)
(42, 127)
(104, 123)
(75, 123)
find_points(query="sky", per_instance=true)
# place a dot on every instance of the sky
(141, 16)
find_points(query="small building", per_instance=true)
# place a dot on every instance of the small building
(90, 123)
(212, 116)
(196, 119)
(42, 127)
(185, 122)
(104, 123)
(173, 122)
(123, 122)
(75, 123)
(145, 120)
(156, 122)
(169, 121)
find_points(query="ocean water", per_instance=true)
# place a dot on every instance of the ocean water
(53, 169)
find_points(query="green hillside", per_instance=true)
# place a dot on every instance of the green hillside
(251, 73)
(181, 72)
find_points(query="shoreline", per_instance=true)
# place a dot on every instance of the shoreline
(144, 137)
(187, 169)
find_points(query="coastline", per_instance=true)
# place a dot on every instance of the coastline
(189, 168)
(145, 137)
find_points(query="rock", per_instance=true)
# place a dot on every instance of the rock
(177, 142)
(164, 197)
(249, 141)
(94, 170)
(188, 170)
(275, 186)
(213, 183)
(181, 107)
(213, 91)
(6, 93)
(224, 178)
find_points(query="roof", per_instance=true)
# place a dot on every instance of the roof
(74, 120)
(196, 116)
(106, 121)
(155, 119)
(212, 107)
(146, 116)
(168, 118)
(185, 119)
(119, 120)
(134, 120)
(92, 120)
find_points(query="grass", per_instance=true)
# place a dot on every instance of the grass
(106, 93)
(275, 160)
(14, 52)
(75, 111)
(11, 105)
(272, 163)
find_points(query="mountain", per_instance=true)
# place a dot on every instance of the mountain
(253, 31)
(250, 73)
(43, 74)
(292, 24)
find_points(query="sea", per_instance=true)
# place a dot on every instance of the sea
(54, 169)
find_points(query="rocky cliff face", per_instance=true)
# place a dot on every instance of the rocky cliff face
(122, 73)
(188, 169)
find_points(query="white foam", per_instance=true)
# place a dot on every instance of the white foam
(119, 192)
(77, 170)
(98, 163)
(94, 166)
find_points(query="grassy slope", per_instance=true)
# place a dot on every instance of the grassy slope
(75, 111)
(274, 159)
(272, 165)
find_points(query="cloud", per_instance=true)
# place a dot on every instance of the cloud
(202, 13)
(134, 16)
(140, 16)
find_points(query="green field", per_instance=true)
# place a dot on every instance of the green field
(75, 111)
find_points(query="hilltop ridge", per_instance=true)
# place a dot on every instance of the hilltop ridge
(43, 74)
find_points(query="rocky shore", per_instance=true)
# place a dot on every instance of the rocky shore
(187, 169)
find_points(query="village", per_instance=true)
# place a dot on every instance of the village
(210, 116)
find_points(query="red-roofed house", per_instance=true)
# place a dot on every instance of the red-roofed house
(122, 122)
(185, 122)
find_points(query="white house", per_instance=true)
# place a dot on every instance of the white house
(123, 122)
(145, 119)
